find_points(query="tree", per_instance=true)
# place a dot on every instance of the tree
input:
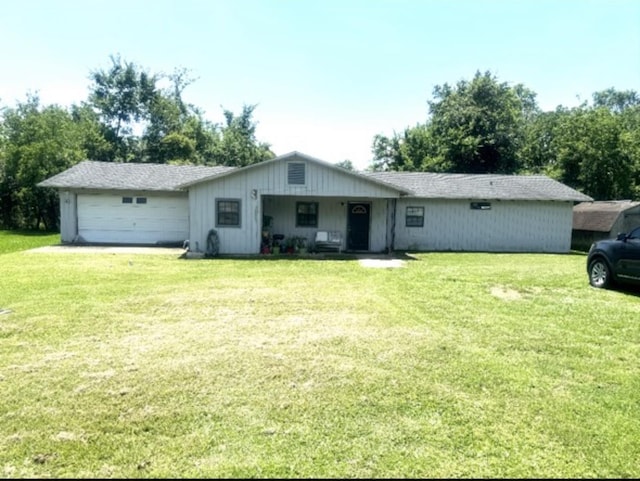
(582, 148)
(615, 100)
(347, 165)
(538, 151)
(630, 143)
(595, 149)
(38, 142)
(238, 145)
(122, 96)
(144, 123)
(177, 132)
(477, 126)
(95, 136)
(413, 150)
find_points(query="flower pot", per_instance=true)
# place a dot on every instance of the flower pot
(275, 250)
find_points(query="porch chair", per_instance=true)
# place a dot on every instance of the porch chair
(328, 240)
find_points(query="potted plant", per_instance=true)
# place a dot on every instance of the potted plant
(290, 245)
(277, 243)
(301, 245)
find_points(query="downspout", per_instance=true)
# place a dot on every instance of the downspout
(391, 224)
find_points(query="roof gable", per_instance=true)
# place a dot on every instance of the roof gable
(298, 156)
(129, 176)
(481, 186)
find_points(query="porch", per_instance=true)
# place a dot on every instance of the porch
(297, 224)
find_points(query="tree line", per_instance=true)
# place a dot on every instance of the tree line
(487, 126)
(127, 117)
(476, 126)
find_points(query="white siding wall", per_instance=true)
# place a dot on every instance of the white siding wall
(68, 216)
(328, 186)
(509, 226)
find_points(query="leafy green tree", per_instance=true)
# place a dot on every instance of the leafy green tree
(95, 135)
(582, 148)
(477, 125)
(122, 96)
(38, 142)
(605, 172)
(412, 150)
(615, 100)
(630, 143)
(538, 151)
(144, 123)
(347, 165)
(238, 145)
(177, 132)
(595, 149)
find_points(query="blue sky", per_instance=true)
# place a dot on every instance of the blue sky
(326, 75)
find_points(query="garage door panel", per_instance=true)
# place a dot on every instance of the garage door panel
(105, 218)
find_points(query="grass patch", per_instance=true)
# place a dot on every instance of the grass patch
(20, 240)
(456, 365)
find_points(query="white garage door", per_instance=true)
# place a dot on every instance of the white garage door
(133, 219)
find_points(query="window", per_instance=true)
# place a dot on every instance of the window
(127, 200)
(141, 200)
(480, 205)
(228, 213)
(295, 173)
(415, 217)
(306, 214)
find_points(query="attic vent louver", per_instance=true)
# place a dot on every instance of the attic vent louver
(295, 173)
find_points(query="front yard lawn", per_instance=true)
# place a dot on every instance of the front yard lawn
(13, 241)
(456, 365)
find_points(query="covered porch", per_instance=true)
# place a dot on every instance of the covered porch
(317, 223)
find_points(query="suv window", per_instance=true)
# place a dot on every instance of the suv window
(635, 233)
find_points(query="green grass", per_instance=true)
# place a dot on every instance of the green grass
(457, 365)
(13, 241)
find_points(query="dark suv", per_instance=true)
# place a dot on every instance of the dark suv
(615, 260)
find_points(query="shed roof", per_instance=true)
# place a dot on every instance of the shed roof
(600, 216)
(91, 174)
(481, 186)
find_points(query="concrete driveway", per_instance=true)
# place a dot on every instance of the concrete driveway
(73, 249)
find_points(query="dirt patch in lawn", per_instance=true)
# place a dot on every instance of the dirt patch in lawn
(388, 263)
(505, 293)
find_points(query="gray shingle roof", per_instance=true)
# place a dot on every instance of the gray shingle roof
(481, 186)
(599, 216)
(90, 174)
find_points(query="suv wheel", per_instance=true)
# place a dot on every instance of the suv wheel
(599, 273)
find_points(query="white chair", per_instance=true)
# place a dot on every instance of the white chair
(328, 240)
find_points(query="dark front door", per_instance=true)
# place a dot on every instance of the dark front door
(358, 220)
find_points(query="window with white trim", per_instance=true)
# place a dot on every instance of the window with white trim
(480, 205)
(414, 217)
(228, 213)
(306, 214)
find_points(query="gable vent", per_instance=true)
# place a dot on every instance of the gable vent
(295, 173)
